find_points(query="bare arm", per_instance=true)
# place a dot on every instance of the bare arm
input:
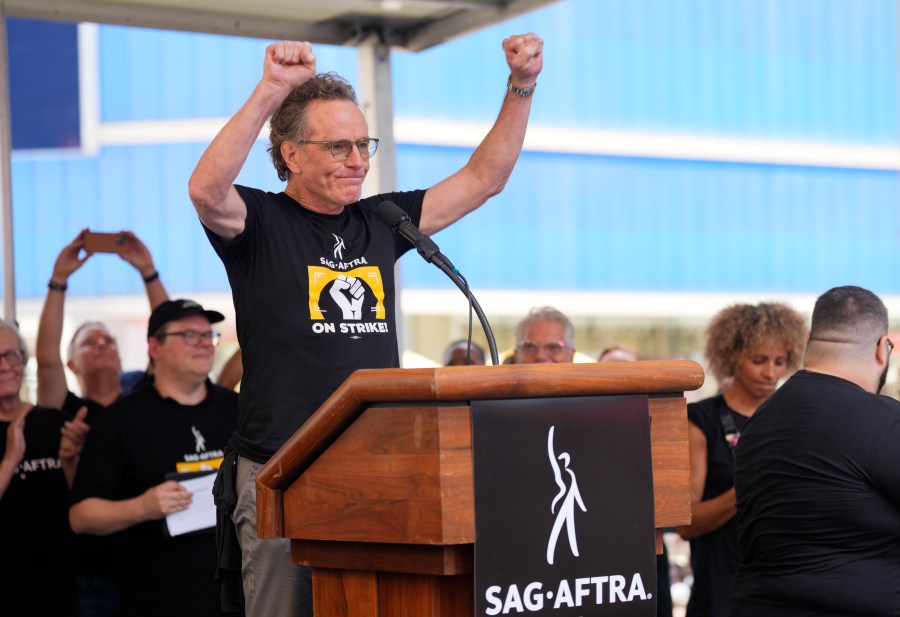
(491, 164)
(287, 64)
(232, 372)
(708, 515)
(138, 255)
(101, 517)
(51, 372)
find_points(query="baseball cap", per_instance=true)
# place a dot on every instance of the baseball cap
(173, 310)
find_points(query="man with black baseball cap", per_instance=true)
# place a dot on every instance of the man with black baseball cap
(179, 422)
(172, 310)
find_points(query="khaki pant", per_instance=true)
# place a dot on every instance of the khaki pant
(273, 587)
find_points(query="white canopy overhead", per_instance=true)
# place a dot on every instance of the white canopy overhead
(410, 24)
(374, 26)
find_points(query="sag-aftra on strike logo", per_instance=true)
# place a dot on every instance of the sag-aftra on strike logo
(353, 291)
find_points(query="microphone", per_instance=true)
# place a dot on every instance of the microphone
(394, 217)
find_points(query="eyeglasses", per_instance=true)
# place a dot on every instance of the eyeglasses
(890, 344)
(14, 358)
(342, 148)
(552, 349)
(193, 338)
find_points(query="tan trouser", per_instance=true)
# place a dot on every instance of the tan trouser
(273, 587)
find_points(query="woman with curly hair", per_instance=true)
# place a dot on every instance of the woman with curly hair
(749, 349)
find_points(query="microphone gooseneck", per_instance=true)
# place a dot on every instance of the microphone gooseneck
(398, 220)
(394, 217)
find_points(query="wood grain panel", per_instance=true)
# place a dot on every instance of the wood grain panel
(339, 593)
(398, 474)
(408, 558)
(457, 473)
(412, 483)
(671, 461)
(345, 593)
(425, 596)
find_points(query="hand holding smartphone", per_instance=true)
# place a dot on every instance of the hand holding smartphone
(95, 242)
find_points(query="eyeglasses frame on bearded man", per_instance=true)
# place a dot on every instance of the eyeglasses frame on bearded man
(341, 148)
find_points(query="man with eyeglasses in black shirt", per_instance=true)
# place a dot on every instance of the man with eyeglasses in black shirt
(311, 268)
(180, 422)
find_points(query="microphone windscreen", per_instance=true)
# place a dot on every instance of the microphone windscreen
(390, 213)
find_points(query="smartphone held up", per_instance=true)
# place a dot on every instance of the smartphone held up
(95, 242)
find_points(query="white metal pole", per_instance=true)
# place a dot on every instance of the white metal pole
(377, 99)
(7, 255)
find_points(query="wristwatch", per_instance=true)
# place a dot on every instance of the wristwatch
(519, 91)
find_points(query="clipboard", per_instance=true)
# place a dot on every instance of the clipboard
(200, 517)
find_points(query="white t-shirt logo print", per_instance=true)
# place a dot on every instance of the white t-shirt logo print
(348, 292)
(201, 440)
(338, 247)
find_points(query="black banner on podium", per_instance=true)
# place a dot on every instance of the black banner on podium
(564, 521)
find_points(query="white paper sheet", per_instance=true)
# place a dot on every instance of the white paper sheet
(202, 512)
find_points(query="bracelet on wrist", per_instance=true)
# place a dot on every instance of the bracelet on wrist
(523, 92)
(151, 277)
(60, 287)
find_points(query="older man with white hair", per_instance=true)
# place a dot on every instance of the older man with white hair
(545, 335)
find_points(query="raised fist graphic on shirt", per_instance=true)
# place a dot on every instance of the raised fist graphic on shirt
(348, 293)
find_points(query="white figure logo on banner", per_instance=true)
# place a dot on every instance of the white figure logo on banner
(569, 496)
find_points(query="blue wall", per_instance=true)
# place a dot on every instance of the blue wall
(812, 70)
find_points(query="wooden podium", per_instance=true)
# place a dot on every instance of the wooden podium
(376, 489)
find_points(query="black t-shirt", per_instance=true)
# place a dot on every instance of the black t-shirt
(314, 301)
(90, 554)
(74, 403)
(35, 567)
(817, 474)
(715, 555)
(131, 447)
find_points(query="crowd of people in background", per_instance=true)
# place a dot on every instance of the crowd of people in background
(85, 479)
(81, 471)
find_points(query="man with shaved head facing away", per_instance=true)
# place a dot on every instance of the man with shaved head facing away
(817, 476)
